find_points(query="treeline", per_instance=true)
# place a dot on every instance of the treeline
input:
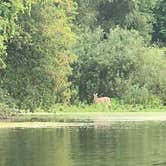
(63, 51)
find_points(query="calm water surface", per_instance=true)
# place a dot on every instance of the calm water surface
(118, 144)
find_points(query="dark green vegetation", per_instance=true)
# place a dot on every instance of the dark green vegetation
(63, 51)
(108, 145)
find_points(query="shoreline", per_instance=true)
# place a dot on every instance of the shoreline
(68, 119)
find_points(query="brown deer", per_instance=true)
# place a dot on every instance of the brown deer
(98, 100)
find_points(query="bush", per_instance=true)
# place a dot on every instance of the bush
(6, 99)
(141, 96)
(3, 111)
(103, 62)
(6, 112)
(119, 65)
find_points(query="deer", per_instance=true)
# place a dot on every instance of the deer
(98, 100)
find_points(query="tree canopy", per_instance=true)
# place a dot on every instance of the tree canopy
(9, 11)
(62, 51)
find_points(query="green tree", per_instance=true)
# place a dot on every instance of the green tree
(130, 14)
(9, 11)
(39, 59)
(102, 63)
(159, 34)
(112, 66)
(87, 13)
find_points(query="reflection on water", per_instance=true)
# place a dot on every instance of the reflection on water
(119, 144)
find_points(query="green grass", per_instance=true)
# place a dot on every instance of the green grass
(70, 112)
(115, 106)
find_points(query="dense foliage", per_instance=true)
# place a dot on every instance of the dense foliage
(159, 34)
(9, 11)
(130, 14)
(62, 51)
(39, 58)
(119, 66)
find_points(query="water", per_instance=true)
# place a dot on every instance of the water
(118, 144)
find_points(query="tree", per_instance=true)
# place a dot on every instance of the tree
(116, 65)
(130, 14)
(39, 59)
(159, 33)
(9, 11)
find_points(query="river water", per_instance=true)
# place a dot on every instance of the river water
(116, 144)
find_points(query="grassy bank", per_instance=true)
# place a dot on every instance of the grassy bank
(90, 116)
(79, 111)
(114, 107)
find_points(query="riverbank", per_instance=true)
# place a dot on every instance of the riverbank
(68, 119)
(63, 113)
(91, 116)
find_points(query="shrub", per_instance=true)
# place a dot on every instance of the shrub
(119, 65)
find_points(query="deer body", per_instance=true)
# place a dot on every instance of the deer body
(99, 100)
